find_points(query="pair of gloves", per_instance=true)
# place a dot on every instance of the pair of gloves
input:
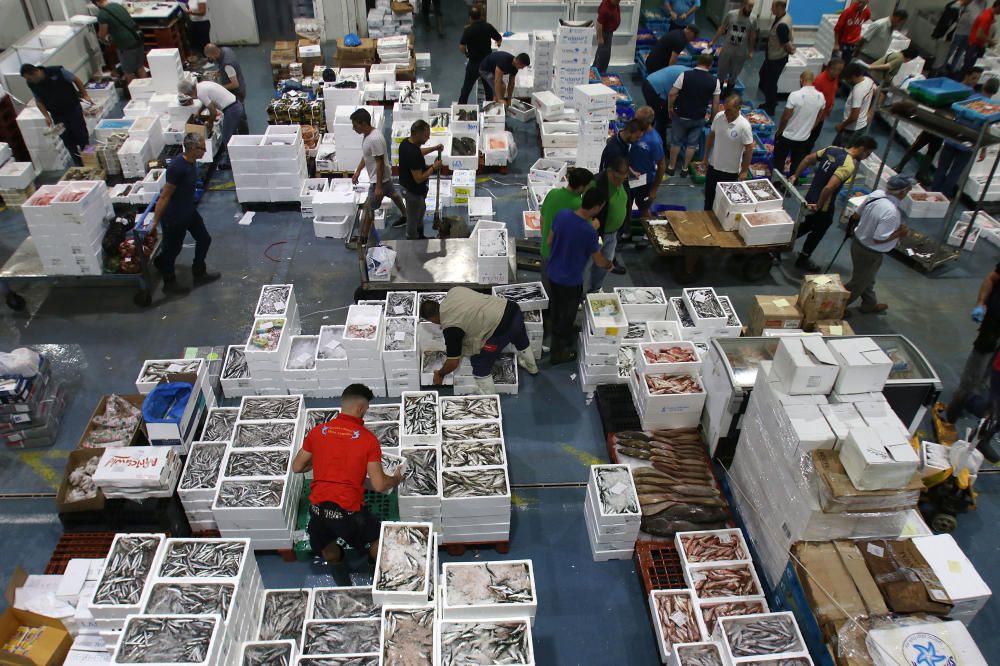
(979, 313)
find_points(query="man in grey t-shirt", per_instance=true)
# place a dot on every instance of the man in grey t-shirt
(738, 33)
(374, 159)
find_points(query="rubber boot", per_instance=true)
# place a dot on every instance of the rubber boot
(526, 359)
(440, 24)
(486, 385)
(341, 574)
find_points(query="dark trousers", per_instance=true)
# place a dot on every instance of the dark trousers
(425, 7)
(846, 137)
(659, 106)
(847, 52)
(933, 144)
(488, 82)
(471, 74)
(950, 166)
(231, 118)
(603, 56)
(972, 54)
(75, 136)
(563, 300)
(515, 334)
(813, 137)
(199, 34)
(173, 242)
(783, 148)
(770, 72)
(814, 226)
(713, 178)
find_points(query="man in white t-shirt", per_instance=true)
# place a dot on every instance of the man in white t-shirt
(216, 100)
(859, 107)
(728, 148)
(803, 112)
(374, 159)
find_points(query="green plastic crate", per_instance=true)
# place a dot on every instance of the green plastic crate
(383, 506)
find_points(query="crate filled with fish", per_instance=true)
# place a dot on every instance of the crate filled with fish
(713, 609)
(403, 565)
(220, 423)
(331, 355)
(469, 408)
(271, 408)
(318, 416)
(383, 412)
(343, 603)
(472, 453)
(669, 357)
(408, 637)
(127, 569)
(485, 641)
(492, 251)
(263, 463)
(419, 494)
(712, 546)
(401, 304)
(765, 196)
(771, 635)
(363, 330)
(392, 460)
(605, 315)
(667, 330)
(399, 346)
(277, 300)
(675, 620)
(465, 119)
(283, 614)
(494, 590)
(456, 432)
(528, 295)
(611, 512)
(196, 488)
(421, 419)
(732, 201)
(505, 374)
(332, 638)
(235, 378)
(667, 400)
(386, 432)
(642, 304)
(733, 327)
(714, 580)
(266, 434)
(697, 654)
(191, 640)
(260, 509)
(233, 602)
(267, 346)
(637, 332)
(299, 373)
(268, 653)
(772, 227)
(432, 360)
(703, 306)
(626, 363)
(681, 317)
(156, 371)
(475, 504)
(184, 558)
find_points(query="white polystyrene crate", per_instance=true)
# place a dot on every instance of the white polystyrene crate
(419, 595)
(665, 646)
(242, 554)
(248, 647)
(710, 610)
(722, 632)
(725, 536)
(698, 301)
(601, 513)
(693, 573)
(407, 436)
(473, 506)
(663, 331)
(681, 367)
(605, 315)
(116, 611)
(452, 610)
(212, 646)
(442, 626)
(263, 517)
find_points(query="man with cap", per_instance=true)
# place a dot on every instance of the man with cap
(876, 234)
(479, 326)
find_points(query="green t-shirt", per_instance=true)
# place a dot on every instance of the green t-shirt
(554, 202)
(617, 210)
(121, 27)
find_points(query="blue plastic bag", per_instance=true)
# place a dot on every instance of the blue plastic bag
(166, 402)
(352, 39)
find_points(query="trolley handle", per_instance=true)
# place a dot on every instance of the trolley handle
(144, 221)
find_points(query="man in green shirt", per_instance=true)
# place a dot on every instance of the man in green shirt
(117, 27)
(570, 197)
(611, 183)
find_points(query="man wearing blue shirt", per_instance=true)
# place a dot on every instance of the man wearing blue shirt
(681, 12)
(647, 162)
(656, 89)
(573, 242)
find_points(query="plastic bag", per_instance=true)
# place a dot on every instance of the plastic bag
(379, 262)
(352, 39)
(166, 402)
(511, 147)
(22, 362)
(965, 460)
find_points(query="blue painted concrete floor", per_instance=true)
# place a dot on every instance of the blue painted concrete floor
(589, 613)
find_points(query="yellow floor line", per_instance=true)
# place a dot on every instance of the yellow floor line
(584, 457)
(36, 461)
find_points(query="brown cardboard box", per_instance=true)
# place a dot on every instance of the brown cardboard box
(191, 126)
(774, 312)
(285, 45)
(401, 7)
(99, 409)
(837, 584)
(49, 649)
(822, 297)
(74, 460)
(365, 51)
(838, 495)
(833, 327)
(907, 582)
(408, 73)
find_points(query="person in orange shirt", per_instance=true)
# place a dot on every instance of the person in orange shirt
(826, 82)
(981, 35)
(847, 32)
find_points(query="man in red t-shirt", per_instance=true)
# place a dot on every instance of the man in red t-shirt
(609, 17)
(981, 35)
(341, 453)
(826, 82)
(847, 32)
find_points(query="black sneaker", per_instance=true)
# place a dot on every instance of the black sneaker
(175, 288)
(206, 277)
(670, 172)
(806, 264)
(618, 269)
(684, 173)
(401, 222)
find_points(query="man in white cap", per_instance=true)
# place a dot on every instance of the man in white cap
(876, 234)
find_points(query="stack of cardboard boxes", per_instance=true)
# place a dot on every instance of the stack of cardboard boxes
(362, 56)
(574, 52)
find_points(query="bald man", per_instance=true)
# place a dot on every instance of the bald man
(803, 112)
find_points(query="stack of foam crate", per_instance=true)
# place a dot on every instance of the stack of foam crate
(44, 145)
(532, 299)
(399, 348)
(363, 339)
(612, 512)
(67, 222)
(276, 320)
(601, 337)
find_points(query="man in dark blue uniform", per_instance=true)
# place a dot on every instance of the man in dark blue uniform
(176, 208)
(834, 167)
(58, 93)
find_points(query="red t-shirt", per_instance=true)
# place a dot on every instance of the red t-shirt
(828, 86)
(609, 16)
(848, 28)
(341, 450)
(980, 34)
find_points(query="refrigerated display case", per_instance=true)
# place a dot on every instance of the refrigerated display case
(528, 15)
(731, 370)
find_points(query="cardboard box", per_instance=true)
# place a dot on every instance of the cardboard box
(822, 297)
(864, 367)
(962, 583)
(837, 583)
(805, 366)
(908, 584)
(364, 51)
(140, 432)
(74, 460)
(50, 648)
(832, 327)
(837, 494)
(774, 312)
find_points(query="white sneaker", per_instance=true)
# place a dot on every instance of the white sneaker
(526, 360)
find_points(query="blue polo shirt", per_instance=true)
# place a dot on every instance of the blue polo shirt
(645, 153)
(574, 241)
(681, 6)
(184, 176)
(662, 80)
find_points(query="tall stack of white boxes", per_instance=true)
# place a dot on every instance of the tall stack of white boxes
(347, 140)
(165, 70)
(543, 45)
(269, 167)
(67, 222)
(574, 52)
(44, 145)
(596, 104)
(299, 373)
(611, 512)
(399, 347)
(364, 334)
(601, 338)
(276, 320)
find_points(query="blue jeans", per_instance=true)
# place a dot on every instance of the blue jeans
(686, 132)
(593, 275)
(956, 54)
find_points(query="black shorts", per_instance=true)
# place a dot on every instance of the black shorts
(329, 523)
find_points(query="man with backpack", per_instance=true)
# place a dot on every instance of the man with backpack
(117, 27)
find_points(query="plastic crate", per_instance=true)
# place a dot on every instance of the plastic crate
(763, 148)
(760, 122)
(87, 545)
(624, 99)
(659, 566)
(963, 112)
(939, 91)
(739, 88)
(696, 177)
(854, 191)
(645, 37)
(595, 75)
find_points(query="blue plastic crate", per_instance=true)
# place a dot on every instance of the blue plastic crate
(625, 113)
(760, 149)
(656, 209)
(854, 191)
(963, 111)
(757, 121)
(624, 99)
(645, 37)
(939, 91)
(685, 60)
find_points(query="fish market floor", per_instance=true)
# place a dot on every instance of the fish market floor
(589, 613)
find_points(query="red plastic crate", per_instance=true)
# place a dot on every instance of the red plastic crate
(659, 566)
(88, 545)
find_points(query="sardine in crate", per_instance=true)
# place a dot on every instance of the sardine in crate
(688, 541)
(452, 609)
(231, 386)
(372, 627)
(461, 409)
(407, 436)
(444, 626)
(239, 563)
(662, 640)
(239, 606)
(684, 653)
(304, 597)
(194, 493)
(273, 516)
(729, 606)
(252, 652)
(643, 364)
(540, 302)
(699, 301)
(725, 627)
(205, 631)
(250, 402)
(200, 368)
(118, 548)
(403, 608)
(732, 200)
(383, 596)
(483, 505)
